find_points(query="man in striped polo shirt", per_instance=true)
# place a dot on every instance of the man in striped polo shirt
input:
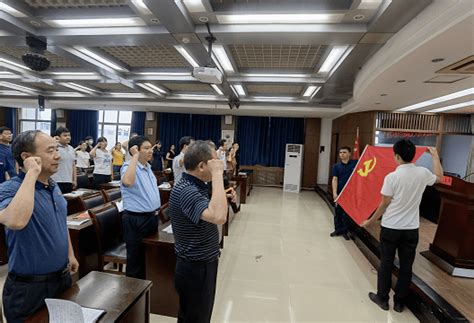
(194, 218)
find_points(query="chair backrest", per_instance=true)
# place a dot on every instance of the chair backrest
(163, 214)
(108, 226)
(82, 181)
(112, 194)
(93, 200)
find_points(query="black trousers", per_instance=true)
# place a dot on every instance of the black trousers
(22, 299)
(391, 240)
(195, 283)
(342, 221)
(100, 179)
(65, 187)
(137, 226)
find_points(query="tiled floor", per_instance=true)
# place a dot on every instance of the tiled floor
(280, 265)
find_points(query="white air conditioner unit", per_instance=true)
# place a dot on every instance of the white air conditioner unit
(293, 168)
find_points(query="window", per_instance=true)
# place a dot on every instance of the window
(114, 125)
(33, 119)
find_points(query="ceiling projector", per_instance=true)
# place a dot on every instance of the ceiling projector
(208, 75)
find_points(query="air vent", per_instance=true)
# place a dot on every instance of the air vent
(446, 79)
(465, 66)
(294, 149)
(291, 188)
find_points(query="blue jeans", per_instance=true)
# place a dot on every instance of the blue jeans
(341, 221)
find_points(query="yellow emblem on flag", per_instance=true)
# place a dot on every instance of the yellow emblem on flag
(369, 166)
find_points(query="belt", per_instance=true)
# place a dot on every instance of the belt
(199, 262)
(39, 278)
(141, 213)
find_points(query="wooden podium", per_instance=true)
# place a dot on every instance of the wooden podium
(454, 240)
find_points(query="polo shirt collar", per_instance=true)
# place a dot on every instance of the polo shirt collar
(143, 166)
(38, 184)
(195, 180)
(406, 165)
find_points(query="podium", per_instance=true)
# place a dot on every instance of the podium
(453, 245)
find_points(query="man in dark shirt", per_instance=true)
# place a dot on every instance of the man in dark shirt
(7, 162)
(194, 219)
(34, 212)
(341, 172)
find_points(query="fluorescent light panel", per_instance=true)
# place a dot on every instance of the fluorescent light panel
(332, 59)
(275, 75)
(369, 4)
(78, 87)
(221, 56)
(99, 59)
(152, 88)
(195, 97)
(311, 90)
(239, 89)
(13, 93)
(165, 73)
(67, 94)
(12, 11)
(141, 6)
(316, 18)
(217, 89)
(17, 87)
(440, 99)
(103, 22)
(128, 95)
(194, 5)
(8, 62)
(454, 106)
(186, 55)
(74, 73)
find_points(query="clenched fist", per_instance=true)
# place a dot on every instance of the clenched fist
(216, 166)
(134, 150)
(32, 164)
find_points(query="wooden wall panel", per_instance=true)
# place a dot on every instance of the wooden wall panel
(311, 152)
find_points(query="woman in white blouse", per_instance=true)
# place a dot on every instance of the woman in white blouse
(82, 156)
(102, 163)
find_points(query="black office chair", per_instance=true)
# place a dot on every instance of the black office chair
(93, 200)
(112, 194)
(82, 180)
(108, 227)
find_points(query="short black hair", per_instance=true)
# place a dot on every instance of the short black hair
(81, 142)
(60, 130)
(345, 148)
(222, 142)
(101, 139)
(405, 149)
(137, 141)
(88, 137)
(198, 151)
(24, 142)
(184, 141)
(2, 129)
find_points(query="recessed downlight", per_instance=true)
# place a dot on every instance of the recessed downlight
(401, 81)
(436, 60)
(358, 17)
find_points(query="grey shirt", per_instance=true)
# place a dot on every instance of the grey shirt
(66, 164)
(177, 169)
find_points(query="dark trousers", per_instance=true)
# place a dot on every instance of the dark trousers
(22, 299)
(137, 226)
(65, 187)
(195, 283)
(116, 171)
(405, 241)
(100, 179)
(341, 220)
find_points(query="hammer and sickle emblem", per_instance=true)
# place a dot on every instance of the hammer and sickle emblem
(369, 166)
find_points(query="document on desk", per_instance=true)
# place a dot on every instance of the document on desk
(168, 229)
(119, 206)
(74, 194)
(63, 311)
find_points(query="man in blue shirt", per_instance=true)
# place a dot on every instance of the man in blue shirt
(7, 162)
(195, 218)
(34, 212)
(141, 199)
(341, 172)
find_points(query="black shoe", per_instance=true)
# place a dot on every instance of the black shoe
(334, 234)
(398, 307)
(375, 298)
(346, 236)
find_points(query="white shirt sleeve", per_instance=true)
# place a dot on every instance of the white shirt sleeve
(387, 187)
(430, 177)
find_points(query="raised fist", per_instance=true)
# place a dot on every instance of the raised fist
(32, 164)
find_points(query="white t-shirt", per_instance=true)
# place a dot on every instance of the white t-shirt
(102, 162)
(177, 169)
(406, 186)
(222, 155)
(66, 164)
(82, 159)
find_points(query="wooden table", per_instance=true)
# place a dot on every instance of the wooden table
(74, 204)
(246, 185)
(124, 299)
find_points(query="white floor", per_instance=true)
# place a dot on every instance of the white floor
(280, 265)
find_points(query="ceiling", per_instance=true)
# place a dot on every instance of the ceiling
(276, 63)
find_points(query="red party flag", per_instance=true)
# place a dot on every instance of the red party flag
(361, 196)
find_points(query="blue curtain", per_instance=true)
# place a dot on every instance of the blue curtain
(82, 123)
(283, 131)
(263, 140)
(173, 126)
(138, 122)
(11, 120)
(253, 138)
(205, 127)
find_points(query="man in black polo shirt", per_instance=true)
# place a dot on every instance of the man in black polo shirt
(340, 175)
(194, 219)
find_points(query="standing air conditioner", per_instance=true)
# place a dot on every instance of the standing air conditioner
(293, 168)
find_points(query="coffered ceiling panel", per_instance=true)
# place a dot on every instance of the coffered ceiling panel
(147, 56)
(277, 56)
(75, 3)
(188, 87)
(274, 89)
(56, 61)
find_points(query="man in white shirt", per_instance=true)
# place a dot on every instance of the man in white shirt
(401, 196)
(222, 153)
(178, 161)
(65, 177)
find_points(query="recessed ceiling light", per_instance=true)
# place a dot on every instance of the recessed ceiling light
(127, 95)
(35, 23)
(317, 18)
(186, 55)
(311, 90)
(440, 99)
(223, 59)
(17, 87)
(98, 60)
(96, 22)
(152, 88)
(154, 20)
(12, 11)
(141, 6)
(238, 89)
(79, 87)
(369, 4)
(454, 106)
(436, 60)
(194, 5)
(333, 58)
(358, 17)
(217, 89)
(401, 81)
(203, 19)
(165, 73)
(275, 75)
(7, 62)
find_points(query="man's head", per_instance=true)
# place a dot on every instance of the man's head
(144, 147)
(223, 144)
(404, 151)
(102, 141)
(184, 142)
(5, 135)
(345, 153)
(34, 143)
(64, 135)
(197, 155)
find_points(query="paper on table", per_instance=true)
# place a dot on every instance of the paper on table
(168, 229)
(74, 194)
(77, 222)
(63, 311)
(119, 205)
(165, 186)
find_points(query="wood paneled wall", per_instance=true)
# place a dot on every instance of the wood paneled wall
(311, 152)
